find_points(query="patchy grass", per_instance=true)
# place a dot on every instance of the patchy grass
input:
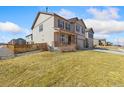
(82, 68)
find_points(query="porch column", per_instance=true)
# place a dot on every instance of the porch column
(60, 38)
(72, 39)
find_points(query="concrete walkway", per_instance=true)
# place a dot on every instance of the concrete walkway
(119, 52)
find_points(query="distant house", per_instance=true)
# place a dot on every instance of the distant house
(19, 41)
(2, 44)
(109, 44)
(60, 32)
(29, 39)
(102, 42)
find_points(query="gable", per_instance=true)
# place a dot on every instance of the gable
(89, 30)
(81, 22)
(41, 17)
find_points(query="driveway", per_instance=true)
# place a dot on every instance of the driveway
(119, 52)
(6, 53)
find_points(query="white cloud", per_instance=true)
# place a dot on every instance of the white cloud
(105, 27)
(27, 31)
(17, 31)
(101, 36)
(105, 14)
(66, 13)
(9, 27)
(105, 21)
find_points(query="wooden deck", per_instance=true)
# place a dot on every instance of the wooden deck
(65, 47)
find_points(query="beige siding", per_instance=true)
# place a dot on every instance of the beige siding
(80, 43)
(47, 35)
(80, 36)
(89, 40)
(56, 21)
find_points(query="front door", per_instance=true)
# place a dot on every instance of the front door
(69, 40)
(87, 43)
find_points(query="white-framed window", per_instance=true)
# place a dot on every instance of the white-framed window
(90, 35)
(83, 29)
(72, 27)
(60, 23)
(78, 28)
(41, 28)
(67, 26)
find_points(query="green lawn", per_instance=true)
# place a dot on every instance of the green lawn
(82, 68)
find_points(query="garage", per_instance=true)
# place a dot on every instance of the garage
(80, 43)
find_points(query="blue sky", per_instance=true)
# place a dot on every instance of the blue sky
(107, 22)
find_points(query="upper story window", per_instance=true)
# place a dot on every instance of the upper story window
(41, 28)
(72, 27)
(78, 28)
(60, 23)
(67, 26)
(83, 29)
(90, 35)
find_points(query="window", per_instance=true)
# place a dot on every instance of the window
(62, 38)
(90, 35)
(83, 29)
(41, 28)
(67, 26)
(72, 27)
(60, 23)
(78, 28)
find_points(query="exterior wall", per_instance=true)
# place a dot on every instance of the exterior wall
(65, 21)
(47, 35)
(89, 40)
(80, 41)
(56, 21)
(80, 36)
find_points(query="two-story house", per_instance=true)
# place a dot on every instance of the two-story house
(59, 32)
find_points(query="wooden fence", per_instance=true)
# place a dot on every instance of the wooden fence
(27, 47)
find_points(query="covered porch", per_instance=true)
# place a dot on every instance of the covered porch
(65, 40)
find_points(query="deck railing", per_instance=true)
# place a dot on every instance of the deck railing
(60, 44)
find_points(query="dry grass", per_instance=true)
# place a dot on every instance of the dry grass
(82, 68)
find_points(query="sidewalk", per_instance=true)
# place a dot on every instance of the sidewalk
(110, 51)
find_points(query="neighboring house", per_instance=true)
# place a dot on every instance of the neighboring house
(57, 31)
(109, 44)
(1, 44)
(18, 41)
(29, 39)
(100, 42)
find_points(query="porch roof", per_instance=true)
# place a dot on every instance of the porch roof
(64, 31)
